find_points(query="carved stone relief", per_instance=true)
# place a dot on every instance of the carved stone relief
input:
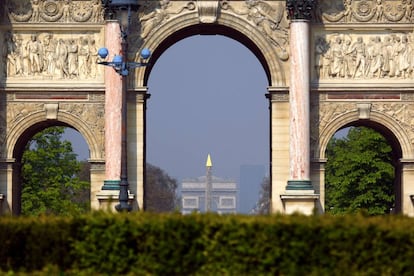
(91, 114)
(151, 15)
(38, 11)
(365, 11)
(50, 56)
(269, 17)
(402, 113)
(364, 56)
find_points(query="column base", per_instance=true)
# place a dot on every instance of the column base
(111, 185)
(304, 204)
(108, 199)
(299, 185)
(300, 197)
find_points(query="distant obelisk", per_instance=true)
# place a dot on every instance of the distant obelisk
(209, 183)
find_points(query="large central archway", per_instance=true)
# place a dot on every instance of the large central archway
(213, 102)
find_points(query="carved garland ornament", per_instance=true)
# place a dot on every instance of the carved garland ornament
(365, 11)
(67, 11)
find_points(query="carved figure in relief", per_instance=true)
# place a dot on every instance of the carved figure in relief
(386, 52)
(403, 58)
(97, 11)
(34, 48)
(93, 57)
(49, 47)
(267, 20)
(154, 19)
(348, 58)
(321, 49)
(35, 10)
(66, 11)
(83, 56)
(18, 58)
(411, 54)
(358, 48)
(348, 10)
(379, 11)
(337, 69)
(374, 58)
(62, 55)
(72, 59)
(409, 10)
(9, 54)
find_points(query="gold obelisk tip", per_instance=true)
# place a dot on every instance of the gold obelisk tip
(208, 163)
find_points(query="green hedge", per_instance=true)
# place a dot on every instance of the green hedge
(149, 244)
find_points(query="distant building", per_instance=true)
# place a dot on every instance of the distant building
(223, 195)
(251, 177)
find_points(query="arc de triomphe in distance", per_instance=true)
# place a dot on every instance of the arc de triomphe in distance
(329, 65)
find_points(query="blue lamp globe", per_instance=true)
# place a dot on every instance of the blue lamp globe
(117, 60)
(103, 52)
(145, 53)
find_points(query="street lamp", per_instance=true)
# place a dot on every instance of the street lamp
(122, 10)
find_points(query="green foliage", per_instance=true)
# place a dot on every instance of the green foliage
(207, 244)
(359, 173)
(263, 205)
(49, 176)
(160, 190)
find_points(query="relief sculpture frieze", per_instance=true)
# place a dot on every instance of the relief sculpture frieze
(385, 56)
(50, 56)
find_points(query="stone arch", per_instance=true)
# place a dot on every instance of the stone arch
(398, 139)
(227, 24)
(39, 119)
(381, 119)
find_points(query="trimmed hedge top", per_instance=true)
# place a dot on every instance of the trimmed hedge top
(200, 244)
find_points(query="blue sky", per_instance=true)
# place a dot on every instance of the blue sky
(207, 96)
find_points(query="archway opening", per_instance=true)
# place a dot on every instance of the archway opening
(49, 177)
(363, 171)
(208, 97)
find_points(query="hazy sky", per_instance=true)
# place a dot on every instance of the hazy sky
(207, 96)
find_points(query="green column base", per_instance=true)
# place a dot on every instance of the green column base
(111, 185)
(299, 185)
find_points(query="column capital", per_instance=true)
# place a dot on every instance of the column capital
(300, 9)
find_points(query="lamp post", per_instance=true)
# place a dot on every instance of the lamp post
(122, 10)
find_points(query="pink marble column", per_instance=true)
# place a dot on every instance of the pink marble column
(113, 110)
(299, 95)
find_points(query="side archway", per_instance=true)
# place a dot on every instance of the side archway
(398, 140)
(36, 121)
(31, 124)
(384, 123)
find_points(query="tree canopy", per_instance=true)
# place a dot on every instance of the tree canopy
(160, 190)
(359, 173)
(50, 181)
